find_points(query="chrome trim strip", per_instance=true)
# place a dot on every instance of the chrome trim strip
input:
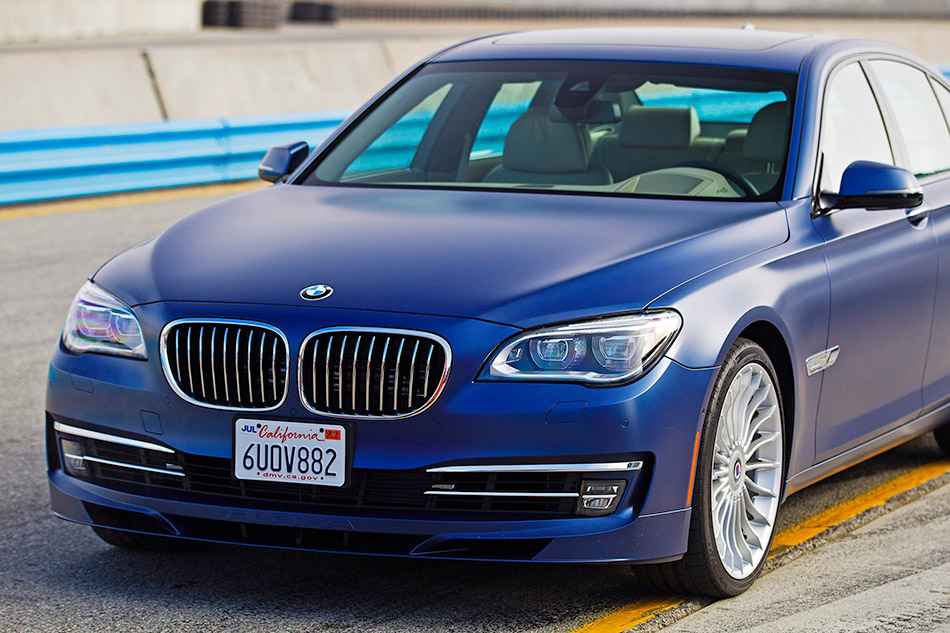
(434, 338)
(466, 493)
(99, 460)
(605, 467)
(382, 376)
(191, 383)
(425, 381)
(214, 379)
(224, 364)
(170, 378)
(314, 374)
(201, 355)
(339, 378)
(369, 372)
(273, 368)
(178, 354)
(115, 439)
(402, 343)
(356, 353)
(237, 362)
(250, 383)
(822, 360)
(260, 367)
(326, 375)
(412, 372)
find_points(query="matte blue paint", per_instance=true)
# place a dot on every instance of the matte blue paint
(478, 267)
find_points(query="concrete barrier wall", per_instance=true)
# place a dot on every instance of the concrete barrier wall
(53, 89)
(52, 20)
(59, 88)
(278, 78)
(225, 76)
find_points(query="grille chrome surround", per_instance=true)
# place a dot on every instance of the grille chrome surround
(248, 366)
(322, 372)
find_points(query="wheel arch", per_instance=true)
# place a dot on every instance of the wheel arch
(770, 338)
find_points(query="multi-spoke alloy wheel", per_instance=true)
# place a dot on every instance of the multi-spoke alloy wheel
(747, 470)
(738, 481)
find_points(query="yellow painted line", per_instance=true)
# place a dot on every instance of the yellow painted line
(809, 528)
(631, 615)
(127, 199)
(638, 612)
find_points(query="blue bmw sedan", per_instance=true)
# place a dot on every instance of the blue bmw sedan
(565, 296)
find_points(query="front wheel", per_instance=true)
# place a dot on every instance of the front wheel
(738, 482)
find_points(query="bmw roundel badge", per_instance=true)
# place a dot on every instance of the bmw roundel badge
(317, 292)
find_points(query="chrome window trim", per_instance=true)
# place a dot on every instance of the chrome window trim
(605, 467)
(467, 493)
(115, 439)
(170, 379)
(99, 460)
(374, 330)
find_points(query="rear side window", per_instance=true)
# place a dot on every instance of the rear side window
(918, 115)
(852, 127)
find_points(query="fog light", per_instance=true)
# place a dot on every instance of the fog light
(73, 458)
(599, 498)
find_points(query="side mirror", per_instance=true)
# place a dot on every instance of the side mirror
(281, 160)
(874, 186)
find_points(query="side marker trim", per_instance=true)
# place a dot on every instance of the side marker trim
(692, 470)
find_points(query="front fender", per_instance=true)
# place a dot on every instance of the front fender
(786, 286)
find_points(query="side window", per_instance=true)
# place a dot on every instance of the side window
(396, 147)
(509, 103)
(918, 115)
(852, 127)
(943, 96)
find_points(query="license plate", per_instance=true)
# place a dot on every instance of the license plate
(295, 452)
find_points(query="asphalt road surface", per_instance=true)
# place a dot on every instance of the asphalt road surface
(56, 576)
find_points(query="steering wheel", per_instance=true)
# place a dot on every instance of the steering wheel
(731, 175)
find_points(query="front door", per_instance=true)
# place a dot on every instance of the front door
(882, 267)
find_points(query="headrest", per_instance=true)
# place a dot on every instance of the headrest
(539, 145)
(648, 126)
(766, 138)
(735, 139)
(594, 113)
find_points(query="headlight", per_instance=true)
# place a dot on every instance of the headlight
(98, 322)
(607, 351)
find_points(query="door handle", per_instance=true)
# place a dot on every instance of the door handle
(918, 216)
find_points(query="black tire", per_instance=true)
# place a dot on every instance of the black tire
(140, 542)
(216, 13)
(312, 12)
(701, 571)
(942, 435)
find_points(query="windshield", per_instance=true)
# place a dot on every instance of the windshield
(591, 127)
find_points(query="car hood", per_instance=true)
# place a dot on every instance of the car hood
(516, 258)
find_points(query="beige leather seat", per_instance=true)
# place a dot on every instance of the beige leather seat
(764, 148)
(541, 151)
(652, 138)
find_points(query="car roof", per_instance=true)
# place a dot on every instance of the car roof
(744, 48)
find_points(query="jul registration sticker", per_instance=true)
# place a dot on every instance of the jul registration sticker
(295, 452)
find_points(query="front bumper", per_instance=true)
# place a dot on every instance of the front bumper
(653, 420)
